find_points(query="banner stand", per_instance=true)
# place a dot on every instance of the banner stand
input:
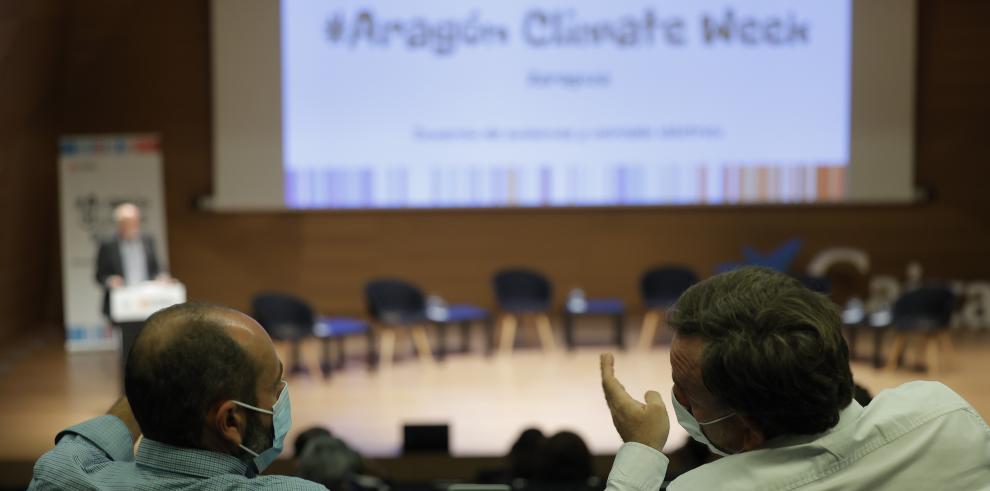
(97, 173)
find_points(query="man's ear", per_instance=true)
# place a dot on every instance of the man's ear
(229, 422)
(752, 436)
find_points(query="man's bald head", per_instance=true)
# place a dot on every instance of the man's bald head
(187, 359)
(178, 320)
(127, 218)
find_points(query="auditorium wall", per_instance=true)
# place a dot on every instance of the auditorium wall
(30, 46)
(135, 66)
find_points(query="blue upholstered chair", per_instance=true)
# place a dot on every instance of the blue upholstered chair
(924, 314)
(818, 284)
(659, 289)
(463, 315)
(395, 304)
(523, 294)
(612, 308)
(286, 318)
(331, 330)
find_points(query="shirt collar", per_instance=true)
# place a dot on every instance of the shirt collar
(846, 417)
(190, 461)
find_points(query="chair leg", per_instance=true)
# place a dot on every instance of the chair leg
(387, 347)
(507, 333)
(372, 355)
(650, 322)
(489, 329)
(946, 344)
(296, 364)
(545, 330)
(326, 366)
(900, 344)
(878, 334)
(569, 331)
(341, 352)
(422, 342)
(931, 355)
(465, 337)
(920, 354)
(441, 340)
(620, 327)
(850, 333)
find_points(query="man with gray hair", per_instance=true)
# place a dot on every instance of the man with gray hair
(761, 377)
(129, 257)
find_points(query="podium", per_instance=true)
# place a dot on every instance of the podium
(131, 305)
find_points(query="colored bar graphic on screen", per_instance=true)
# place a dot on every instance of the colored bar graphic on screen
(624, 184)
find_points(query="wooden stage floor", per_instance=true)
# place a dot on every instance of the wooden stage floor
(486, 401)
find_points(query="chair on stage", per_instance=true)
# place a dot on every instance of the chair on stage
(286, 318)
(819, 284)
(336, 330)
(463, 315)
(923, 314)
(659, 288)
(396, 304)
(523, 294)
(578, 306)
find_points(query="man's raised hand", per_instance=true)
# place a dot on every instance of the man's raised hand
(635, 421)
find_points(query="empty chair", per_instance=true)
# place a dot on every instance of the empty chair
(818, 284)
(465, 315)
(338, 329)
(286, 318)
(659, 288)
(393, 304)
(607, 307)
(523, 294)
(923, 314)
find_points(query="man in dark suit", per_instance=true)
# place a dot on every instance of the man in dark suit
(129, 257)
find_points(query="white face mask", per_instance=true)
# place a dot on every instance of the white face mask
(693, 426)
(281, 422)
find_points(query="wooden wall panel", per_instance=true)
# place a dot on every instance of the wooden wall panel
(30, 42)
(144, 66)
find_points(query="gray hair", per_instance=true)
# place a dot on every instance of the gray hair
(774, 349)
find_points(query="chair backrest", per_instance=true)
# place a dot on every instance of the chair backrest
(522, 285)
(284, 316)
(661, 286)
(924, 308)
(394, 298)
(818, 284)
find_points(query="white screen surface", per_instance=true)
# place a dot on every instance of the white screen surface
(518, 103)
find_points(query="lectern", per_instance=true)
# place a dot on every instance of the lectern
(131, 305)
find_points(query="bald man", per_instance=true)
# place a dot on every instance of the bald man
(205, 387)
(129, 257)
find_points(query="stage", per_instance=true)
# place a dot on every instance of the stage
(487, 401)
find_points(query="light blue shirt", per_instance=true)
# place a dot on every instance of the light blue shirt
(134, 260)
(921, 435)
(98, 454)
